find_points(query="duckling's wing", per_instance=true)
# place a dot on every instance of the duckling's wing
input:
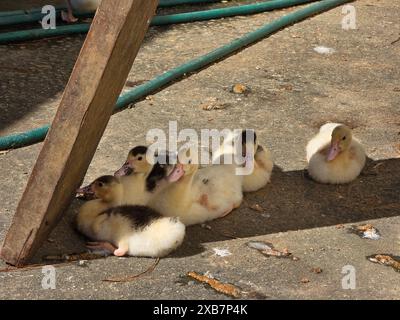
(319, 142)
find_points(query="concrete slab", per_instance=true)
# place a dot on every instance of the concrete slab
(293, 91)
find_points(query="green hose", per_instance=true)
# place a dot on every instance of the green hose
(171, 3)
(26, 35)
(226, 12)
(26, 12)
(38, 134)
(32, 15)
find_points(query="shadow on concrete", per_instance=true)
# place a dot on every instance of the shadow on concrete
(38, 71)
(291, 201)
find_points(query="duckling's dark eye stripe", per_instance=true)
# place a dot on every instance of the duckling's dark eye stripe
(138, 150)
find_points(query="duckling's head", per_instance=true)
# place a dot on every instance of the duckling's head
(136, 162)
(163, 170)
(107, 188)
(341, 140)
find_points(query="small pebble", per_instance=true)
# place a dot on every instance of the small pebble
(305, 280)
(240, 89)
(316, 270)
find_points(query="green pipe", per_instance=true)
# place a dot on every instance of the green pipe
(26, 12)
(37, 135)
(30, 16)
(34, 17)
(172, 3)
(26, 35)
(226, 12)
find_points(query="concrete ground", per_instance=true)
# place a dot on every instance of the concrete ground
(293, 91)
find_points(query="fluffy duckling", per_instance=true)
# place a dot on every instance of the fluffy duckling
(109, 193)
(260, 161)
(141, 180)
(334, 155)
(78, 6)
(127, 230)
(135, 171)
(200, 194)
(136, 162)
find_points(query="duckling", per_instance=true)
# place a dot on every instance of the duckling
(79, 6)
(200, 194)
(136, 231)
(141, 180)
(334, 155)
(109, 193)
(127, 230)
(260, 161)
(136, 163)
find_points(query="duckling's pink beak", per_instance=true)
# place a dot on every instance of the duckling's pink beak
(333, 151)
(125, 170)
(86, 192)
(176, 174)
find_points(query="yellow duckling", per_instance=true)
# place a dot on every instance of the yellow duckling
(133, 175)
(127, 230)
(113, 191)
(109, 192)
(257, 159)
(142, 180)
(200, 194)
(334, 155)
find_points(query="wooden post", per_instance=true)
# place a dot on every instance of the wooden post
(98, 77)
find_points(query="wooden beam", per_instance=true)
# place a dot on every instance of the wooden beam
(97, 79)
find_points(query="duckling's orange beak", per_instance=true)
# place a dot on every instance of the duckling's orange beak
(176, 174)
(125, 170)
(333, 151)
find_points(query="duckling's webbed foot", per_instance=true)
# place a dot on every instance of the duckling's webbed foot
(101, 246)
(120, 252)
